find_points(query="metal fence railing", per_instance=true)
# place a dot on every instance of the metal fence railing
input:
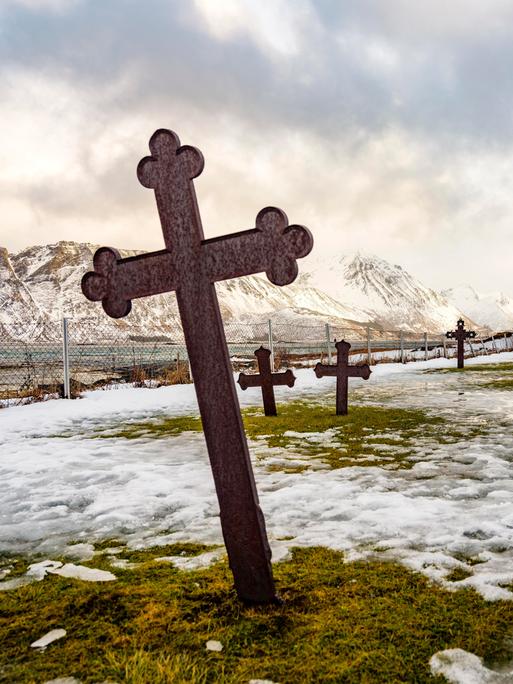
(69, 356)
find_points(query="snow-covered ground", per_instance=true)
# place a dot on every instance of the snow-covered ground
(61, 481)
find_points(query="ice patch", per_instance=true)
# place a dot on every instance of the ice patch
(214, 646)
(83, 552)
(202, 560)
(461, 667)
(49, 638)
(81, 572)
(37, 572)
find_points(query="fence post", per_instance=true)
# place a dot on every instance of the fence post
(271, 344)
(471, 347)
(493, 344)
(369, 351)
(426, 355)
(402, 346)
(65, 359)
(328, 341)
(505, 342)
(444, 343)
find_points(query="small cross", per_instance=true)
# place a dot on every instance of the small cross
(191, 265)
(266, 380)
(460, 334)
(342, 370)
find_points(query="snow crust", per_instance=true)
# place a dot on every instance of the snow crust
(49, 638)
(60, 482)
(461, 667)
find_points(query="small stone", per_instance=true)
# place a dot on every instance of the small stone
(63, 680)
(214, 646)
(47, 639)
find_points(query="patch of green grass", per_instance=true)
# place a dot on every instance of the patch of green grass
(311, 431)
(367, 436)
(506, 367)
(500, 384)
(503, 371)
(339, 622)
(458, 574)
(162, 427)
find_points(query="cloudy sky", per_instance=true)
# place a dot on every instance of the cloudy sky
(385, 126)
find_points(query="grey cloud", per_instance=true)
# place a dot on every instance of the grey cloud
(455, 85)
(447, 83)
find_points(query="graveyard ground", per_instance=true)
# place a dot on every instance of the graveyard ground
(392, 531)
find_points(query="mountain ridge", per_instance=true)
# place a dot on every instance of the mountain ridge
(41, 283)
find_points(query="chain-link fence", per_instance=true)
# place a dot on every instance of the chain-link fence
(70, 356)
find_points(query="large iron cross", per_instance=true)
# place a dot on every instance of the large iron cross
(460, 334)
(266, 379)
(190, 265)
(342, 370)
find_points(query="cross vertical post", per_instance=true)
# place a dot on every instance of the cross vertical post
(342, 370)
(460, 335)
(190, 265)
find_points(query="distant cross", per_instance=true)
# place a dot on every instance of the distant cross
(342, 370)
(461, 335)
(190, 265)
(266, 379)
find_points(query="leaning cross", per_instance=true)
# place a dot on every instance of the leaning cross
(266, 379)
(342, 370)
(191, 265)
(460, 334)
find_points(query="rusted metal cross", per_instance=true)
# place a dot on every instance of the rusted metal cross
(190, 265)
(342, 370)
(460, 334)
(266, 379)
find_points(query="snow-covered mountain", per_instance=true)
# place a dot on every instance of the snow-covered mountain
(18, 308)
(494, 310)
(48, 278)
(384, 293)
(40, 284)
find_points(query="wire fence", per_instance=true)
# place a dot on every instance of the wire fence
(70, 356)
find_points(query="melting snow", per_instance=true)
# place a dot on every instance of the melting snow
(37, 571)
(214, 646)
(61, 483)
(461, 667)
(47, 639)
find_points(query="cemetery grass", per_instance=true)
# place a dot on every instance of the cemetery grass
(306, 434)
(491, 376)
(338, 622)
